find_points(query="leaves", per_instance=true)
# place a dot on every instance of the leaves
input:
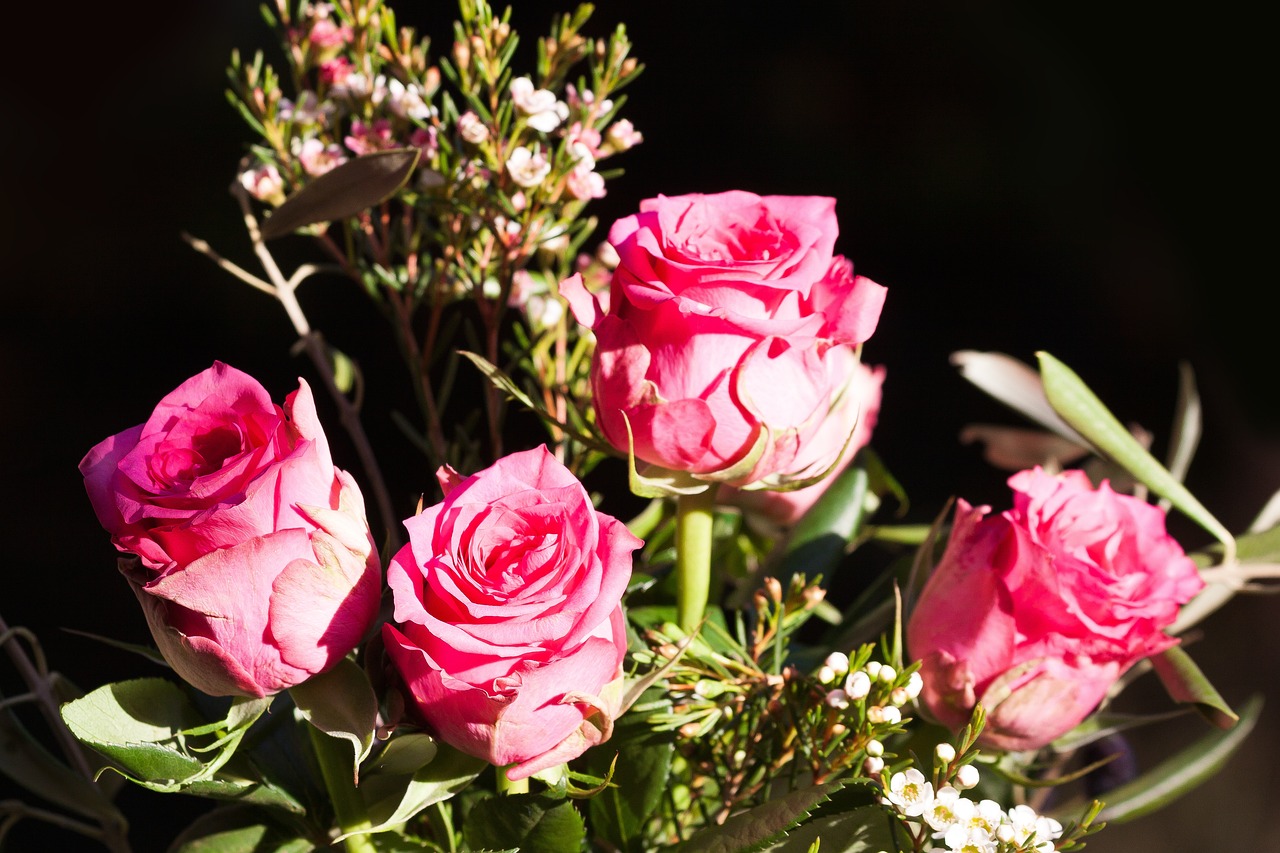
(535, 823)
(765, 822)
(393, 797)
(1181, 772)
(820, 538)
(1187, 684)
(1073, 400)
(344, 191)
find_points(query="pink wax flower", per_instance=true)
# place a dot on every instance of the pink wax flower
(252, 560)
(726, 344)
(1036, 612)
(509, 629)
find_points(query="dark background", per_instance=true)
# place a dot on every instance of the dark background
(1093, 180)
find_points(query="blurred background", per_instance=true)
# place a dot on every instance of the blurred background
(1086, 179)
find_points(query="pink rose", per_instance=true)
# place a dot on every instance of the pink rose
(847, 428)
(1036, 612)
(253, 560)
(510, 634)
(725, 346)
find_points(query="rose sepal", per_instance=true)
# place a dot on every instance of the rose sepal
(657, 482)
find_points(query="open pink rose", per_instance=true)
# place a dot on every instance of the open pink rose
(1036, 612)
(510, 633)
(253, 560)
(848, 427)
(725, 345)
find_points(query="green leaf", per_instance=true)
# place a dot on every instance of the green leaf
(1072, 399)
(391, 799)
(535, 823)
(346, 190)
(865, 830)
(341, 703)
(25, 760)
(1178, 774)
(237, 829)
(766, 822)
(249, 791)
(404, 755)
(820, 537)
(132, 722)
(1188, 685)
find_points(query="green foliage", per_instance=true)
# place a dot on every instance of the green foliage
(535, 823)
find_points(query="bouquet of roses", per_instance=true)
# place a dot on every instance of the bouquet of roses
(761, 657)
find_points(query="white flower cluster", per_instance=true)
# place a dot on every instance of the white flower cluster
(964, 826)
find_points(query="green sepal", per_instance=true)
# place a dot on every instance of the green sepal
(341, 703)
(393, 798)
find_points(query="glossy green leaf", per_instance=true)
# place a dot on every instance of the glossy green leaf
(1188, 685)
(535, 823)
(346, 190)
(1180, 773)
(404, 755)
(820, 537)
(341, 703)
(1081, 408)
(250, 791)
(25, 760)
(137, 724)
(752, 829)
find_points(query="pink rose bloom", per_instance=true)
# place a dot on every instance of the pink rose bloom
(253, 560)
(725, 346)
(1036, 612)
(509, 628)
(848, 429)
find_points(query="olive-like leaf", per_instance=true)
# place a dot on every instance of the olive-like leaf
(1178, 774)
(1188, 685)
(1082, 409)
(343, 191)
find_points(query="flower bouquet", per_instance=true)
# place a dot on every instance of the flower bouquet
(656, 590)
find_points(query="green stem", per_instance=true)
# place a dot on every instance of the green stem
(694, 517)
(509, 786)
(336, 767)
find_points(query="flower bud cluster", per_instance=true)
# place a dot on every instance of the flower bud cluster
(958, 824)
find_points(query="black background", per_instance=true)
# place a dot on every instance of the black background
(1085, 179)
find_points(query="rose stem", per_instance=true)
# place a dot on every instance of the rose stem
(511, 786)
(335, 759)
(694, 518)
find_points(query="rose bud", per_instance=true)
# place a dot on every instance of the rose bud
(252, 561)
(1036, 612)
(509, 629)
(729, 338)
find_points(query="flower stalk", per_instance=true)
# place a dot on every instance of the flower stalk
(694, 518)
(339, 780)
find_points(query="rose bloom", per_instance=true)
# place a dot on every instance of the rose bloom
(1036, 612)
(727, 339)
(252, 560)
(845, 431)
(509, 629)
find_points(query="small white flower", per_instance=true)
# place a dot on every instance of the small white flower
(899, 697)
(968, 839)
(915, 683)
(826, 674)
(886, 674)
(966, 777)
(1023, 821)
(910, 792)
(884, 714)
(471, 128)
(945, 753)
(838, 699)
(873, 765)
(941, 814)
(837, 661)
(875, 747)
(857, 685)
(540, 106)
(872, 668)
(527, 168)
(404, 101)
